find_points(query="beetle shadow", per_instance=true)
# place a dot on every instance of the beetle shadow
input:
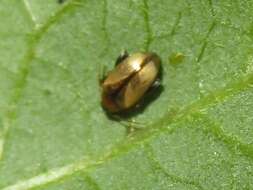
(150, 96)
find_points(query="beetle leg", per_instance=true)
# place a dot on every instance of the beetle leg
(134, 126)
(155, 89)
(130, 124)
(156, 84)
(124, 54)
(130, 127)
(125, 122)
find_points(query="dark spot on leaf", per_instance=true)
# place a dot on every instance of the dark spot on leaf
(47, 92)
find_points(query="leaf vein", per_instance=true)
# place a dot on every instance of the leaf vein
(173, 29)
(211, 7)
(203, 47)
(24, 70)
(148, 39)
(156, 165)
(28, 9)
(231, 141)
(105, 30)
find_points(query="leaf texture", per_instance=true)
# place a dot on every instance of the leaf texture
(196, 135)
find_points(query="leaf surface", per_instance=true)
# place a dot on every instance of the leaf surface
(196, 135)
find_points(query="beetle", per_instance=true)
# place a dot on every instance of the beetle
(128, 82)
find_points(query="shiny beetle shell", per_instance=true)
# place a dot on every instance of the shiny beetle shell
(129, 81)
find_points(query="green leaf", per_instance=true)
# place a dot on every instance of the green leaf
(196, 135)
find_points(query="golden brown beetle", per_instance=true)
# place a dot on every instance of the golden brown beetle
(129, 81)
